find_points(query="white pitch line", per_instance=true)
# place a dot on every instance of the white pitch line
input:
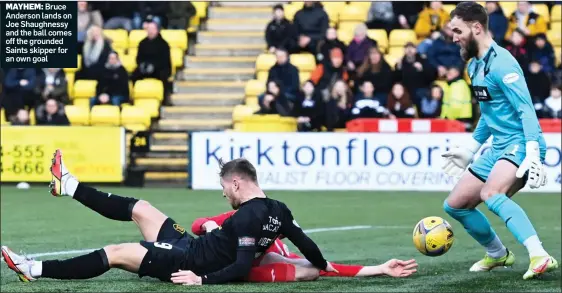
(308, 231)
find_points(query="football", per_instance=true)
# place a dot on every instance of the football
(433, 236)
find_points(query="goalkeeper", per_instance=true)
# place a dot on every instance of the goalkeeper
(517, 153)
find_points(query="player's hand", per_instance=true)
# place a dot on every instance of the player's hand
(187, 278)
(209, 226)
(458, 157)
(330, 268)
(399, 268)
(532, 164)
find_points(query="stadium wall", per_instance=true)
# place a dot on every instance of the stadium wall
(342, 161)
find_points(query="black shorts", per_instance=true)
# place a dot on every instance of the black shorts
(168, 254)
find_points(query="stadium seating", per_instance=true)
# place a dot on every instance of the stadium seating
(353, 13)
(119, 38)
(254, 88)
(397, 52)
(134, 118)
(262, 76)
(266, 123)
(265, 62)
(556, 13)
(380, 36)
(77, 115)
(175, 38)
(304, 62)
(70, 83)
(84, 89)
(304, 76)
(105, 115)
(135, 37)
(345, 36)
(557, 55)
(3, 120)
(448, 8)
(349, 27)
(554, 38)
(149, 88)
(78, 65)
(241, 111)
(508, 7)
(542, 10)
(129, 62)
(290, 11)
(391, 59)
(150, 106)
(399, 37)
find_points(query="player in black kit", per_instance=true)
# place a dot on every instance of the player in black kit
(223, 255)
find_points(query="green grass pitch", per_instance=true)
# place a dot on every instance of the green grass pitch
(35, 222)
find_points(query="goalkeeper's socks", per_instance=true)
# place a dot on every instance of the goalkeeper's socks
(513, 216)
(476, 224)
(82, 267)
(534, 246)
(344, 271)
(106, 204)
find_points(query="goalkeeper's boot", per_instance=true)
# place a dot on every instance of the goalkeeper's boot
(540, 265)
(488, 262)
(19, 264)
(59, 175)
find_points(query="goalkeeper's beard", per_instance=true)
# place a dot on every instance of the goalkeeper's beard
(471, 49)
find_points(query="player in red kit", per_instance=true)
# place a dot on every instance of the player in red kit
(278, 264)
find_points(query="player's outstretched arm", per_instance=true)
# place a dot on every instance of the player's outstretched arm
(393, 268)
(198, 226)
(304, 244)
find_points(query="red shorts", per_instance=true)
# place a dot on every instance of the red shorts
(277, 247)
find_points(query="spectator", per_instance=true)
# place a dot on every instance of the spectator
(553, 104)
(95, 52)
(432, 18)
(497, 22)
(526, 20)
(330, 42)
(518, 48)
(286, 73)
(444, 53)
(280, 32)
(366, 105)
(457, 101)
(430, 106)
(274, 100)
(179, 14)
(153, 58)
(359, 47)
(557, 74)
(415, 73)
(309, 108)
(86, 18)
(538, 83)
(118, 14)
(113, 84)
(337, 106)
(21, 118)
(51, 113)
(311, 23)
(381, 16)
(326, 74)
(19, 90)
(51, 84)
(399, 103)
(150, 11)
(407, 13)
(376, 70)
(543, 52)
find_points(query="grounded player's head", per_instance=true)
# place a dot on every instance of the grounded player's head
(469, 23)
(238, 177)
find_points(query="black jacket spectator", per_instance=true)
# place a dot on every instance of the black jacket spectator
(399, 102)
(117, 14)
(497, 22)
(443, 52)
(327, 44)
(114, 81)
(150, 9)
(274, 100)
(280, 32)
(153, 57)
(359, 47)
(179, 14)
(338, 105)
(19, 90)
(553, 104)
(543, 52)
(312, 21)
(537, 82)
(406, 13)
(51, 84)
(415, 73)
(366, 105)
(51, 113)
(326, 74)
(95, 52)
(517, 46)
(285, 73)
(309, 108)
(376, 70)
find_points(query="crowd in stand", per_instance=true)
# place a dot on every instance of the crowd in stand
(45, 91)
(355, 81)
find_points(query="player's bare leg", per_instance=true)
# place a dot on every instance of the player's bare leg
(461, 205)
(148, 218)
(126, 256)
(502, 179)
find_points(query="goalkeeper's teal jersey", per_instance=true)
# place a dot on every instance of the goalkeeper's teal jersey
(507, 111)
